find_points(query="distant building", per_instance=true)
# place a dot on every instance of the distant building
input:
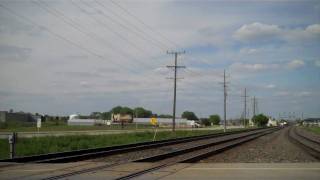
(74, 120)
(311, 122)
(272, 122)
(16, 117)
(180, 122)
(125, 118)
(234, 122)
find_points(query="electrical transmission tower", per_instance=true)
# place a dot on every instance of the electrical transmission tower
(245, 107)
(175, 67)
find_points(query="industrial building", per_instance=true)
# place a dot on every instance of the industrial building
(180, 122)
(74, 119)
(16, 117)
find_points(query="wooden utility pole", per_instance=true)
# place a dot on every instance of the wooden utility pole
(254, 106)
(225, 101)
(245, 107)
(175, 67)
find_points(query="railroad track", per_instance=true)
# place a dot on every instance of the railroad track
(192, 153)
(80, 155)
(310, 145)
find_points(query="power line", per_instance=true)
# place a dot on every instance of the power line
(152, 29)
(139, 30)
(79, 28)
(175, 66)
(120, 24)
(51, 32)
(107, 27)
(59, 36)
(143, 23)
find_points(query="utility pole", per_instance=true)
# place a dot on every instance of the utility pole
(224, 83)
(245, 106)
(225, 101)
(175, 67)
(254, 105)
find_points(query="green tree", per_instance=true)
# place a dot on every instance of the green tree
(142, 113)
(245, 121)
(126, 110)
(116, 110)
(121, 110)
(260, 120)
(205, 121)
(95, 115)
(189, 115)
(106, 115)
(165, 116)
(214, 119)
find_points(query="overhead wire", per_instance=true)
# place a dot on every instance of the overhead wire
(59, 36)
(61, 16)
(139, 30)
(143, 23)
(154, 31)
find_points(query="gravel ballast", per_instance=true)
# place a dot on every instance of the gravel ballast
(272, 148)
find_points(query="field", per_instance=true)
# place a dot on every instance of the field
(314, 129)
(64, 127)
(50, 144)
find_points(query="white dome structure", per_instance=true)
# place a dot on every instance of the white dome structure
(73, 116)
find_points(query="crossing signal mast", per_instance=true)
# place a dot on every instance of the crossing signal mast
(175, 67)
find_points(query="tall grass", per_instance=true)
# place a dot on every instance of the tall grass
(51, 144)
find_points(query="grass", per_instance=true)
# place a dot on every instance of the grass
(65, 127)
(51, 144)
(314, 129)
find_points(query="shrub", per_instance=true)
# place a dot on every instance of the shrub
(260, 120)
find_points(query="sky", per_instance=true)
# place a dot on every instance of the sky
(79, 56)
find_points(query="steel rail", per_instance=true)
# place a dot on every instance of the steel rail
(311, 146)
(194, 154)
(167, 155)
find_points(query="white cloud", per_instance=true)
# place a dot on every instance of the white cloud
(303, 93)
(84, 84)
(317, 63)
(283, 93)
(242, 67)
(258, 67)
(266, 32)
(270, 86)
(295, 64)
(313, 29)
(248, 51)
(257, 31)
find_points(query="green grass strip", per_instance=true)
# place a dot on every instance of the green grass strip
(51, 144)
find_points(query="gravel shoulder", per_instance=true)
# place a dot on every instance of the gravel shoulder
(272, 148)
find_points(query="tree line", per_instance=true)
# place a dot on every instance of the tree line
(140, 112)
